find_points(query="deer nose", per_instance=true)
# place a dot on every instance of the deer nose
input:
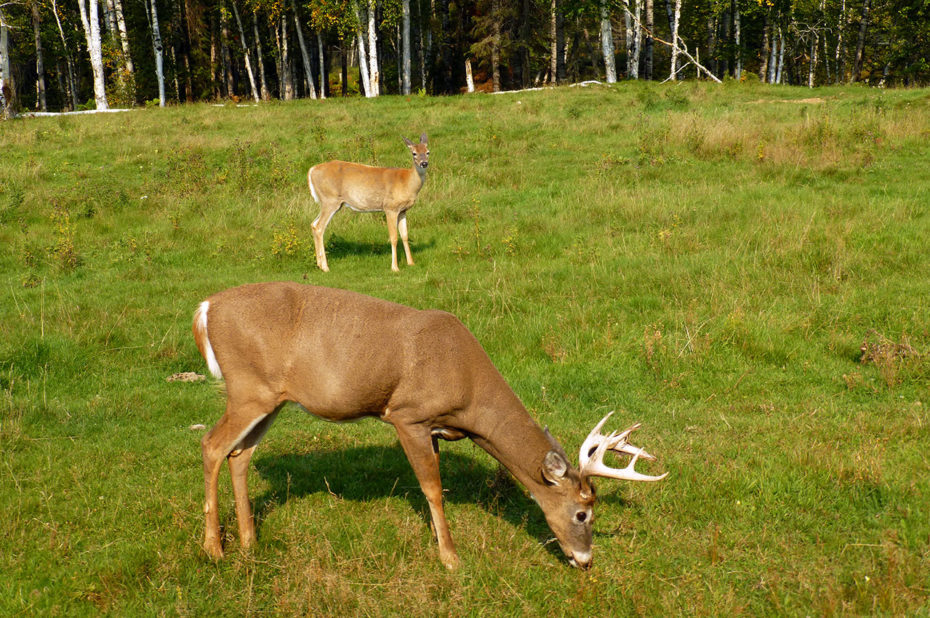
(581, 561)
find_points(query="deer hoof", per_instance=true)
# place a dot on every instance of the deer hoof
(450, 561)
(214, 549)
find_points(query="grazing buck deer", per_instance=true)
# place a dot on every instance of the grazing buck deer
(364, 188)
(344, 356)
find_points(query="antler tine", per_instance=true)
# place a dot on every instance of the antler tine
(621, 445)
(594, 439)
(592, 464)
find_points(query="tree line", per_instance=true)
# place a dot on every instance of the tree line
(80, 54)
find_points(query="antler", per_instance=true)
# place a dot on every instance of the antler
(591, 455)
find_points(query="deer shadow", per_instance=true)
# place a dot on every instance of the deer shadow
(371, 472)
(337, 246)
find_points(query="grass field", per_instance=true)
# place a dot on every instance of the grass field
(743, 268)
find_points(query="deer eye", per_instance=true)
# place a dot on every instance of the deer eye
(581, 516)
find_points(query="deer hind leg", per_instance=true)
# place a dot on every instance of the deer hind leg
(238, 461)
(402, 228)
(233, 428)
(327, 209)
(392, 234)
(422, 451)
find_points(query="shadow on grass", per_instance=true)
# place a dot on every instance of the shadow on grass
(337, 246)
(365, 473)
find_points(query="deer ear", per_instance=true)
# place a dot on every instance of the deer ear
(423, 139)
(407, 141)
(554, 467)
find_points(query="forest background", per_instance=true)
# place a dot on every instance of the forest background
(82, 54)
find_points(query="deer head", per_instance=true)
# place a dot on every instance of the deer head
(568, 502)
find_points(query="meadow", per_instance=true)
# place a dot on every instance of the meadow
(742, 268)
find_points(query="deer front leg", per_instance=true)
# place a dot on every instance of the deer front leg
(392, 233)
(422, 451)
(402, 228)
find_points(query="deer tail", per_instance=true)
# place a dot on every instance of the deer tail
(310, 182)
(203, 339)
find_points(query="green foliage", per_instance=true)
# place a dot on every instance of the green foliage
(742, 269)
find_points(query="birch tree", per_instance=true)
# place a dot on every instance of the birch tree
(245, 52)
(90, 19)
(607, 44)
(373, 67)
(151, 13)
(40, 62)
(6, 93)
(304, 53)
(258, 49)
(405, 45)
(673, 75)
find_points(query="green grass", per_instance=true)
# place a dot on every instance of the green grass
(742, 270)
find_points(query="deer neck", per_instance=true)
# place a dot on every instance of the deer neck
(418, 178)
(504, 429)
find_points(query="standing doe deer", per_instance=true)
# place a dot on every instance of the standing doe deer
(364, 188)
(344, 356)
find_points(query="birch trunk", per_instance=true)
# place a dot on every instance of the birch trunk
(362, 57)
(773, 55)
(261, 62)
(405, 44)
(860, 44)
(304, 54)
(840, 49)
(286, 88)
(738, 69)
(648, 43)
(152, 13)
(495, 46)
(40, 62)
(6, 94)
(123, 37)
(781, 56)
(813, 64)
(225, 55)
(607, 44)
(677, 17)
(245, 52)
(637, 38)
(324, 77)
(373, 68)
(90, 19)
(553, 43)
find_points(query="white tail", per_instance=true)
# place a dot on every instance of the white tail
(345, 356)
(368, 189)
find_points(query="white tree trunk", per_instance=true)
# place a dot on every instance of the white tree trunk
(151, 12)
(405, 43)
(362, 56)
(607, 44)
(840, 70)
(553, 43)
(674, 73)
(304, 54)
(261, 64)
(469, 79)
(738, 73)
(123, 36)
(40, 61)
(781, 56)
(324, 78)
(637, 38)
(813, 67)
(5, 94)
(375, 74)
(245, 52)
(91, 22)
